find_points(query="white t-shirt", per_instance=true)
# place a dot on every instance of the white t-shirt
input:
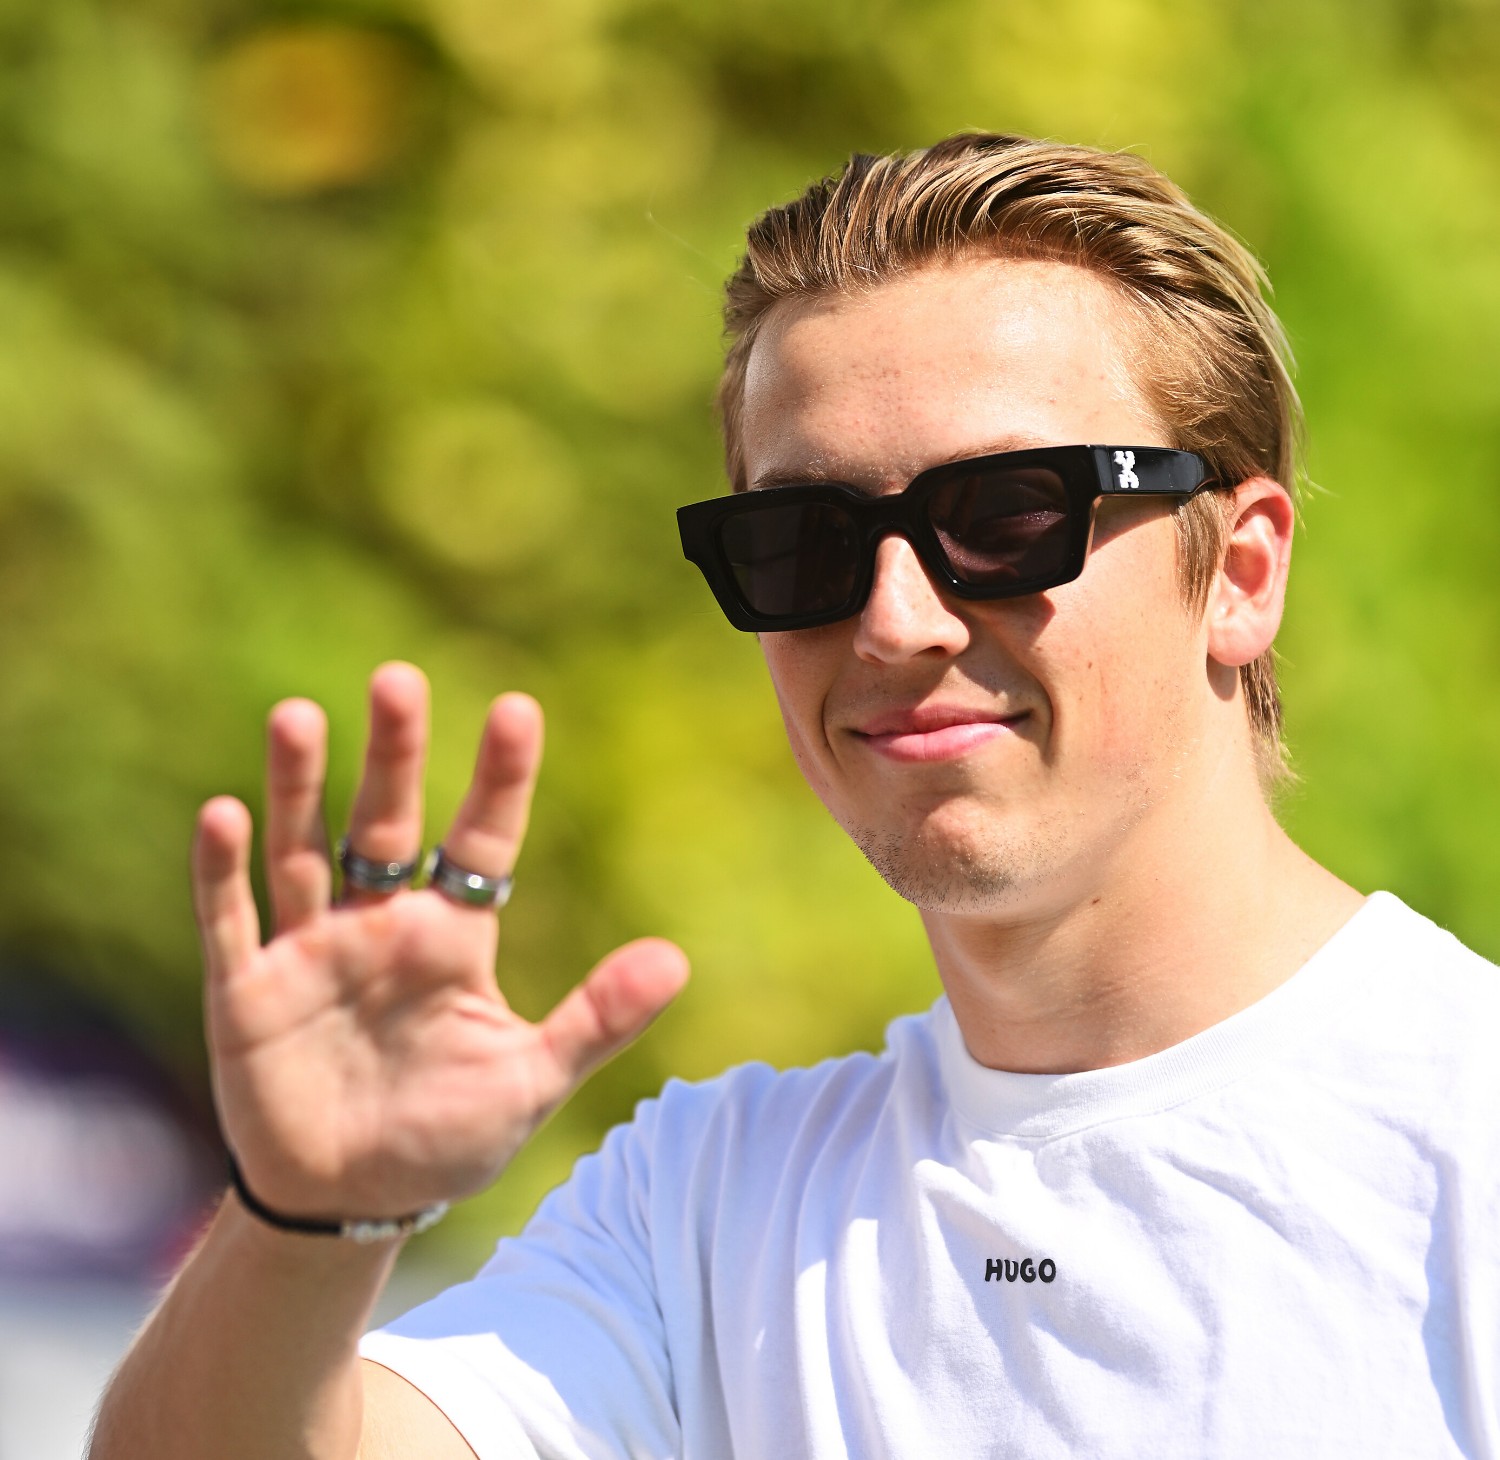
(1279, 1240)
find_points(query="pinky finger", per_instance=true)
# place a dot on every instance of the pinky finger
(228, 924)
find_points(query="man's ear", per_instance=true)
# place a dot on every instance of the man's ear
(1245, 603)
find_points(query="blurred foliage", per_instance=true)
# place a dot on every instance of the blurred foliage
(371, 328)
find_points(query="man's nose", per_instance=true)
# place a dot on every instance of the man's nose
(905, 614)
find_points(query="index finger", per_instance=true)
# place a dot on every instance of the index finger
(486, 834)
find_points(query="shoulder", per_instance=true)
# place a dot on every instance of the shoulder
(756, 1102)
(722, 1161)
(754, 1116)
(1426, 964)
(1426, 1010)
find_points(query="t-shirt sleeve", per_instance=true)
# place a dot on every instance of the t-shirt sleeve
(557, 1348)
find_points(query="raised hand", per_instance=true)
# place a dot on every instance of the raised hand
(365, 1062)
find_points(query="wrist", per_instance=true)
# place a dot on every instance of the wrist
(365, 1231)
(345, 1277)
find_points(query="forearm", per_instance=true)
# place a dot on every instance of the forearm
(252, 1353)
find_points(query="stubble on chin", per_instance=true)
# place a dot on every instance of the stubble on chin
(941, 873)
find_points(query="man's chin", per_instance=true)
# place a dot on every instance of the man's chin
(947, 874)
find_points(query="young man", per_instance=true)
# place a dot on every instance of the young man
(1198, 1154)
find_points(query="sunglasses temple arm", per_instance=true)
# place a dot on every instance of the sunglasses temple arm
(1126, 471)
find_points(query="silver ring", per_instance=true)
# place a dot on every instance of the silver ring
(473, 889)
(365, 875)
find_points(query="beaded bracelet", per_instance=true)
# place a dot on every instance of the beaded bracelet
(356, 1229)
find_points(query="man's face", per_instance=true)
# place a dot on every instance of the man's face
(989, 755)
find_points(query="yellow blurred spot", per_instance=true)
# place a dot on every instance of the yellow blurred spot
(477, 483)
(551, 55)
(294, 110)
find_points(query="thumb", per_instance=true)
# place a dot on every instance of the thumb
(625, 991)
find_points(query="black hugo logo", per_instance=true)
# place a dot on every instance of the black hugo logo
(1007, 1270)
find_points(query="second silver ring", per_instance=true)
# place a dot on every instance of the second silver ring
(473, 889)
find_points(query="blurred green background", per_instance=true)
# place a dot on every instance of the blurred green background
(337, 332)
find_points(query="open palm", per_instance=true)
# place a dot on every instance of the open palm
(365, 1062)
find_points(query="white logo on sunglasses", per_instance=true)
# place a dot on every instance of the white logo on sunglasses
(1125, 460)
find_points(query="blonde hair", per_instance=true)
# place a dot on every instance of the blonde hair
(1214, 360)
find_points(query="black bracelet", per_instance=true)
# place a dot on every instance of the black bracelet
(356, 1229)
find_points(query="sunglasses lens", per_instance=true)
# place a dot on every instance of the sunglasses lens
(792, 560)
(1000, 528)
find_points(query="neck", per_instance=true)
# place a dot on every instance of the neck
(1198, 916)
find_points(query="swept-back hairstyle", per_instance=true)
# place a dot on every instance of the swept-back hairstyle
(1211, 358)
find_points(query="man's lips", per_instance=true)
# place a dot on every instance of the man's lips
(935, 732)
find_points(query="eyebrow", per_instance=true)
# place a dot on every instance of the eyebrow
(818, 474)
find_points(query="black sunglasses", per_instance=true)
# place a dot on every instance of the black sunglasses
(989, 527)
